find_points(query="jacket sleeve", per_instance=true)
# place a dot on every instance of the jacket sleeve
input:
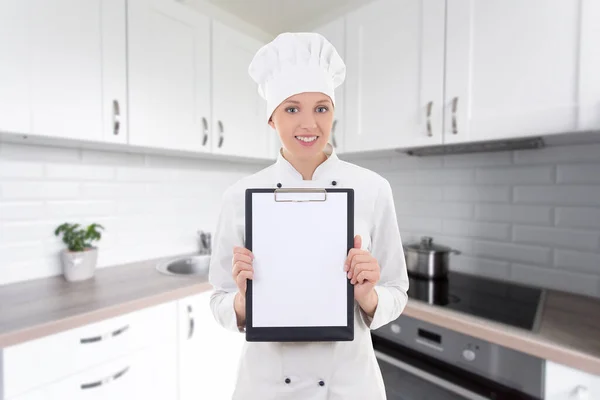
(227, 235)
(387, 248)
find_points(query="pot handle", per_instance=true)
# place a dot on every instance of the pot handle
(455, 251)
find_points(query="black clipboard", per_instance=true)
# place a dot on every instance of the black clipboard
(279, 212)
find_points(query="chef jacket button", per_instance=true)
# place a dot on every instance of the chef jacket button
(279, 185)
(287, 380)
(321, 383)
(333, 183)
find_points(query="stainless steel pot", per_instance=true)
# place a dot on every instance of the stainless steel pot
(428, 260)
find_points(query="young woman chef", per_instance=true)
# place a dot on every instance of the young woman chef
(296, 74)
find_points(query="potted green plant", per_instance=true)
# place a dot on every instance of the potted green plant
(80, 257)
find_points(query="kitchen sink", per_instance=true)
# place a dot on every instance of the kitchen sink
(196, 266)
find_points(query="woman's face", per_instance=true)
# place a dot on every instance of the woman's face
(303, 122)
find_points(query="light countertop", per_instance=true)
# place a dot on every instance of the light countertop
(569, 330)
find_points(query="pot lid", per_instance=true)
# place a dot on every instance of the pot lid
(427, 245)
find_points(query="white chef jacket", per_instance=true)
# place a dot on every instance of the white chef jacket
(315, 370)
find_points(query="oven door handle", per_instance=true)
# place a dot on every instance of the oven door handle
(467, 394)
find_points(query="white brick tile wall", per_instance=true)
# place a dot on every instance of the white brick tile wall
(515, 175)
(529, 216)
(578, 217)
(408, 223)
(437, 209)
(577, 260)
(585, 173)
(540, 215)
(559, 154)
(420, 193)
(32, 190)
(85, 172)
(487, 230)
(552, 236)
(149, 205)
(477, 159)
(490, 268)
(21, 169)
(565, 194)
(556, 279)
(21, 211)
(511, 252)
(22, 152)
(477, 194)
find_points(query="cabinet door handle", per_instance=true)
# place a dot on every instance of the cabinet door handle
(333, 141)
(580, 393)
(204, 131)
(454, 108)
(429, 107)
(116, 117)
(191, 322)
(104, 336)
(104, 381)
(221, 134)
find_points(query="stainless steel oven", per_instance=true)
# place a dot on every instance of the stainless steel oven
(423, 361)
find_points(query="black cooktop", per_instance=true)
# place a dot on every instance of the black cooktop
(500, 301)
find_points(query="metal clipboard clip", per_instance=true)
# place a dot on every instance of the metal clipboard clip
(305, 195)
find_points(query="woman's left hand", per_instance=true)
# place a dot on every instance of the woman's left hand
(363, 271)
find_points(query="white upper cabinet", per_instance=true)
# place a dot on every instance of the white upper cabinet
(15, 107)
(63, 69)
(588, 94)
(335, 32)
(521, 68)
(395, 75)
(169, 76)
(239, 121)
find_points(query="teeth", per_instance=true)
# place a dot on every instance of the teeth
(307, 139)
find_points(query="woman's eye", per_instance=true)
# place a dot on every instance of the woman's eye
(291, 109)
(322, 109)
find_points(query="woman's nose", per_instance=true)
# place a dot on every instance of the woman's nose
(308, 122)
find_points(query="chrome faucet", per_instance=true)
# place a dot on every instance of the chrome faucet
(204, 242)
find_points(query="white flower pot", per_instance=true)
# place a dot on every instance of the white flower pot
(79, 265)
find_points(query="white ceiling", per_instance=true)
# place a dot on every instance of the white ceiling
(276, 16)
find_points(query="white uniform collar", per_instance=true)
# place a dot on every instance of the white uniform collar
(323, 175)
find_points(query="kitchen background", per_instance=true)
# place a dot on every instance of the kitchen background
(138, 114)
(530, 216)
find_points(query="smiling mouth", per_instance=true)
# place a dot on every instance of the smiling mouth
(306, 139)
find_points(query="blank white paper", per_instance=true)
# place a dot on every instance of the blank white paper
(299, 249)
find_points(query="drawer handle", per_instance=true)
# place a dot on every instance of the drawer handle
(221, 134)
(429, 107)
(454, 108)
(580, 393)
(104, 381)
(191, 321)
(116, 117)
(204, 131)
(94, 339)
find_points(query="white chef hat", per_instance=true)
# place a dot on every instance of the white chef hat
(296, 63)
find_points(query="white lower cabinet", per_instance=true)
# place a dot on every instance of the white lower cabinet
(146, 374)
(208, 353)
(566, 383)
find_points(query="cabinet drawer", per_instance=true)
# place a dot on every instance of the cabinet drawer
(48, 359)
(566, 383)
(147, 374)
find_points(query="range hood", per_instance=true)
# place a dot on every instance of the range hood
(477, 147)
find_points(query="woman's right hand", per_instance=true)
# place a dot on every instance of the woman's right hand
(242, 267)
(242, 271)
